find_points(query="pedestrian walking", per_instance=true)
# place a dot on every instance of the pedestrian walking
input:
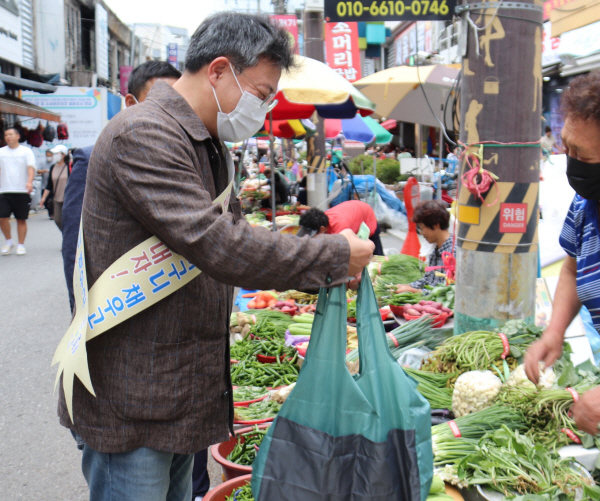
(57, 181)
(165, 392)
(17, 170)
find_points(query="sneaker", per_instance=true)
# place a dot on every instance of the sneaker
(7, 249)
(21, 250)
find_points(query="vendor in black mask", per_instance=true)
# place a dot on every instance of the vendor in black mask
(579, 282)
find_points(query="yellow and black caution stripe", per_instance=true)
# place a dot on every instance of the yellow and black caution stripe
(508, 226)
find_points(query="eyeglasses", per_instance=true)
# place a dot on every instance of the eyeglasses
(268, 101)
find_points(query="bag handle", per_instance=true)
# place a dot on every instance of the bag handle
(332, 345)
(369, 326)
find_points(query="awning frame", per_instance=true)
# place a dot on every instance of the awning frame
(16, 106)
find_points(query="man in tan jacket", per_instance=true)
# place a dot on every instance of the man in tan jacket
(161, 378)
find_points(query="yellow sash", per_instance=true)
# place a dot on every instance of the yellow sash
(140, 278)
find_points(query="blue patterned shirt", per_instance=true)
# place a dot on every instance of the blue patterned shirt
(580, 238)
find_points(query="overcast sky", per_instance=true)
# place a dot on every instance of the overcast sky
(183, 13)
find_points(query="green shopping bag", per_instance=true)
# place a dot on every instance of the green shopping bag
(342, 437)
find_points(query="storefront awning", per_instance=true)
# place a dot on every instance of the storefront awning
(15, 106)
(16, 83)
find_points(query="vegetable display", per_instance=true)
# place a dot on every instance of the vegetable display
(240, 321)
(242, 494)
(405, 298)
(442, 294)
(400, 268)
(425, 307)
(412, 334)
(251, 373)
(246, 447)
(452, 441)
(257, 411)
(483, 350)
(248, 393)
(511, 463)
(302, 325)
(474, 391)
(299, 297)
(434, 387)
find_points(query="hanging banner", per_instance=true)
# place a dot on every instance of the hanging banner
(343, 53)
(389, 10)
(413, 39)
(172, 57)
(140, 278)
(290, 23)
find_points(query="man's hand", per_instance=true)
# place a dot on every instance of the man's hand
(355, 282)
(546, 350)
(405, 288)
(361, 252)
(29, 187)
(586, 412)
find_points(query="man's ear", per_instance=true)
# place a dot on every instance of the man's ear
(322, 230)
(130, 100)
(216, 69)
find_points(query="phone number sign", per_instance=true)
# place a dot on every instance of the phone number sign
(388, 10)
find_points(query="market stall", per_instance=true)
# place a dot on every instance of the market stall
(495, 434)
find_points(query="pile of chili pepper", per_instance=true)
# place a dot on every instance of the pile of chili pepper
(242, 494)
(253, 373)
(246, 447)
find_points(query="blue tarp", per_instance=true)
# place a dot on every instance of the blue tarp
(242, 302)
(364, 185)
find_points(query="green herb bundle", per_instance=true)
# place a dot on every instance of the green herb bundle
(405, 298)
(434, 387)
(482, 350)
(414, 333)
(513, 464)
(448, 448)
(402, 267)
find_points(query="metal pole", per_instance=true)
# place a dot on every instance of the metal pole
(132, 53)
(273, 166)
(316, 182)
(497, 243)
(441, 163)
(375, 181)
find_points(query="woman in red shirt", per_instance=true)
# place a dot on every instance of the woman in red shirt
(350, 214)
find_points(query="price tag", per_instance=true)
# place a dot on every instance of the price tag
(454, 427)
(388, 10)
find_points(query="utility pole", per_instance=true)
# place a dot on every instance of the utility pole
(497, 239)
(316, 182)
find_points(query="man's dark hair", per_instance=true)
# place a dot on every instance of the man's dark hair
(150, 69)
(14, 129)
(581, 99)
(548, 129)
(313, 219)
(243, 38)
(430, 213)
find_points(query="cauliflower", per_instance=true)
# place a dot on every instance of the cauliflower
(474, 391)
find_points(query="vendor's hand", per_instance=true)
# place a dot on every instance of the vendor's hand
(586, 412)
(42, 202)
(29, 187)
(361, 252)
(546, 350)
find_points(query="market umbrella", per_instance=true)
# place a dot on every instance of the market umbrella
(313, 86)
(410, 93)
(361, 129)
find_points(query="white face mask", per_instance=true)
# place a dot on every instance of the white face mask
(245, 120)
(50, 160)
(57, 157)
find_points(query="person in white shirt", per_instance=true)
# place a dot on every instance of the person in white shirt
(17, 169)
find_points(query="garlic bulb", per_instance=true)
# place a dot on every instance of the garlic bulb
(474, 391)
(519, 378)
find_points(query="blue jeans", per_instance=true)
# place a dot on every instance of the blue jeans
(139, 475)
